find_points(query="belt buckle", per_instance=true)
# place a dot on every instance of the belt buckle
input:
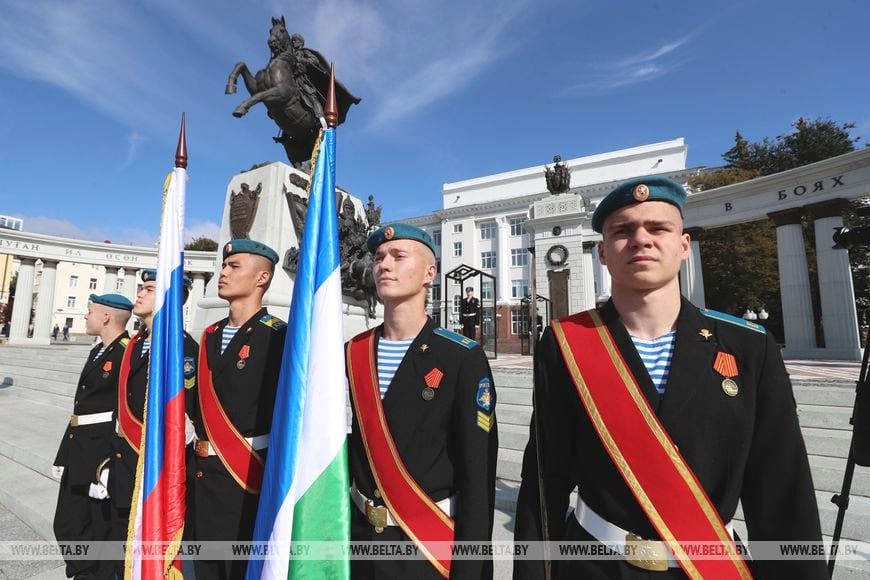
(376, 515)
(74, 421)
(648, 555)
(201, 448)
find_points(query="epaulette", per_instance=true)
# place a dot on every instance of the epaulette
(125, 341)
(273, 322)
(454, 337)
(715, 314)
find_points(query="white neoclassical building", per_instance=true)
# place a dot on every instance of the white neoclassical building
(528, 242)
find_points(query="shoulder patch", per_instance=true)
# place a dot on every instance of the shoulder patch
(125, 341)
(454, 337)
(715, 314)
(273, 322)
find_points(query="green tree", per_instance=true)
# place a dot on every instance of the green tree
(740, 261)
(201, 244)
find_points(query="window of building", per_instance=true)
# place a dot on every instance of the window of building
(457, 228)
(519, 288)
(436, 292)
(436, 237)
(119, 285)
(519, 257)
(457, 249)
(488, 231)
(437, 266)
(457, 302)
(518, 226)
(486, 290)
(487, 260)
(92, 284)
(73, 281)
(71, 302)
(519, 321)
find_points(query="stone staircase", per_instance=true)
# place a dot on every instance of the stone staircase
(37, 386)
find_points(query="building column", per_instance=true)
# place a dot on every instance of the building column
(45, 303)
(588, 276)
(23, 302)
(603, 292)
(197, 291)
(836, 292)
(130, 284)
(110, 286)
(503, 256)
(691, 272)
(794, 282)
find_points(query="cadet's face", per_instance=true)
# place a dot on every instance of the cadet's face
(240, 276)
(643, 245)
(144, 305)
(402, 269)
(95, 319)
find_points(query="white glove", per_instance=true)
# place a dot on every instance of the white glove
(189, 430)
(57, 471)
(98, 490)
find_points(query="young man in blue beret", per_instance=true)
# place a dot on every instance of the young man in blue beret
(424, 440)
(239, 361)
(87, 441)
(664, 417)
(132, 388)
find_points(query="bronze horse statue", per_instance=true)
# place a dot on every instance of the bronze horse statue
(293, 77)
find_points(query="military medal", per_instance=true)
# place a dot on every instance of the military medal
(107, 368)
(726, 365)
(433, 381)
(244, 353)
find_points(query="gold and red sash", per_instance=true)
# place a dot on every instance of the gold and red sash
(129, 427)
(237, 455)
(649, 462)
(424, 522)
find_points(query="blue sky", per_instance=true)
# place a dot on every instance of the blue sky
(91, 92)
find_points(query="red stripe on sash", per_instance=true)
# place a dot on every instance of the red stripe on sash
(129, 427)
(237, 455)
(649, 462)
(424, 522)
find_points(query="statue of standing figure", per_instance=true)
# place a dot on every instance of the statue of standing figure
(558, 177)
(293, 87)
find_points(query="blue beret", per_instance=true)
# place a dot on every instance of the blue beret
(250, 247)
(639, 190)
(150, 275)
(399, 231)
(112, 301)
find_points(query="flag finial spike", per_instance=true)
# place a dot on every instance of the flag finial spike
(181, 150)
(330, 113)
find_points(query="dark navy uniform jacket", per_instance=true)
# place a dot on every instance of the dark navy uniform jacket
(83, 448)
(745, 448)
(122, 473)
(447, 447)
(225, 511)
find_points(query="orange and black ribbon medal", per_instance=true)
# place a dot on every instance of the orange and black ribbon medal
(244, 353)
(433, 381)
(107, 368)
(726, 365)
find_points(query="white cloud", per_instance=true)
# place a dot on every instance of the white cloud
(66, 229)
(643, 66)
(203, 228)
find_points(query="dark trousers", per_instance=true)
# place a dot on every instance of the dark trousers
(80, 518)
(468, 328)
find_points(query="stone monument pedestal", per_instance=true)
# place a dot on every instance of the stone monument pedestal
(273, 225)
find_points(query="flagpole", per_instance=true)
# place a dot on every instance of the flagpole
(330, 112)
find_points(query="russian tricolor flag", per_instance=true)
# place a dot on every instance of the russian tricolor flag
(158, 506)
